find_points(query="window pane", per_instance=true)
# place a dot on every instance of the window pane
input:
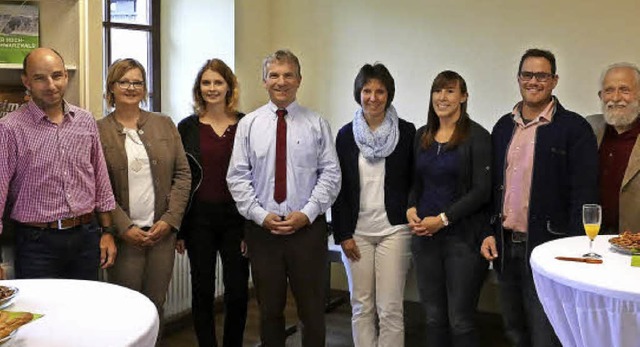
(130, 11)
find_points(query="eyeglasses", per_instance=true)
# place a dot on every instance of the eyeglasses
(127, 84)
(540, 76)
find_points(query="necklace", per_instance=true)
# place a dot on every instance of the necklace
(138, 161)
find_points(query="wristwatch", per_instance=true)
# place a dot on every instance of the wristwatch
(444, 219)
(109, 230)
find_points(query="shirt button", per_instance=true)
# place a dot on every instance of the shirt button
(154, 162)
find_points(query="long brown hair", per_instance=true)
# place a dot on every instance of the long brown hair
(447, 79)
(219, 66)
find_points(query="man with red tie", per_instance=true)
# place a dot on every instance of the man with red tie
(284, 174)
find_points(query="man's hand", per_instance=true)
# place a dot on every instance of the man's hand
(291, 223)
(107, 251)
(180, 247)
(134, 236)
(244, 250)
(272, 222)
(488, 248)
(296, 220)
(350, 249)
(158, 231)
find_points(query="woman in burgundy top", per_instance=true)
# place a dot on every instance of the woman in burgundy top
(212, 223)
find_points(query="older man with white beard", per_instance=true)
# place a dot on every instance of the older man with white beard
(617, 131)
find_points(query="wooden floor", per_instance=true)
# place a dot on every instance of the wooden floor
(338, 328)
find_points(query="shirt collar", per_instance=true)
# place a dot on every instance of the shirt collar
(38, 114)
(545, 116)
(291, 108)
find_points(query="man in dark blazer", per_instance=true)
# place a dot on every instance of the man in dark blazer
(544, 170)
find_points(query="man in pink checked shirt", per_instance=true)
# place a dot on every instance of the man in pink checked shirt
(53, 179)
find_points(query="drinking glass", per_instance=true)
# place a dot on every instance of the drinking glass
(591, 219)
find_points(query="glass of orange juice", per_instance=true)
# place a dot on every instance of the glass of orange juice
(591, 219)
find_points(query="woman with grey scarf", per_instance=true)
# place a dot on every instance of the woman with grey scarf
(376, 157)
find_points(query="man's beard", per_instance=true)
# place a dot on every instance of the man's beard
(621, 117)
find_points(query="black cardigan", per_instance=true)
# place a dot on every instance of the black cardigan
(190, 134)
(397, 181)
(468, 215)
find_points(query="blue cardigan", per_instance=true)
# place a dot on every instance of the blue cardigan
(565, 176)
(397, 181)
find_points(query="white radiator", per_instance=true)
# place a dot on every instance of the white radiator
(178, 301)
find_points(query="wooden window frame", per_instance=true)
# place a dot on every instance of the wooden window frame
(153, 51)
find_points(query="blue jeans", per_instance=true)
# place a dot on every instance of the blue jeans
(450, 274)
(72, 253)
(525, 323)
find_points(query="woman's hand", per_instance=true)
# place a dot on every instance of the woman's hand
(350, 249)
(134, 236)
(432, 224)
(180, 246)
(158, 231)
(415, 221)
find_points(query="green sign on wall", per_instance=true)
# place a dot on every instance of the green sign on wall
(19, 30)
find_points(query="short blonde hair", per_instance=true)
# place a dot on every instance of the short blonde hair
(118, 69)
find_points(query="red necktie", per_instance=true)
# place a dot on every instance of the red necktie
(280, 191)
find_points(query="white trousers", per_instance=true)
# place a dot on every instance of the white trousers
(376, 284)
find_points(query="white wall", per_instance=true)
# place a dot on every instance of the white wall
(482, 40)
(192, 32)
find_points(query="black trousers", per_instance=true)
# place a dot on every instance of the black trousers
(217, 228)
(301, 259)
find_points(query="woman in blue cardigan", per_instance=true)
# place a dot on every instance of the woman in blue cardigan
(376, 156)
(447, 213)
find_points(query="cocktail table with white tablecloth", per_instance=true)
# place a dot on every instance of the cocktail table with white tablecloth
(588, 304)
(83, 313)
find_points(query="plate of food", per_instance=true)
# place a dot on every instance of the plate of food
(8, 295)
(11, 321)
(626, 243)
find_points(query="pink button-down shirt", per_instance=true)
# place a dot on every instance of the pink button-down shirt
(50, 171)
(517, 188)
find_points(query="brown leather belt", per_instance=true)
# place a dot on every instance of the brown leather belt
(63, 223)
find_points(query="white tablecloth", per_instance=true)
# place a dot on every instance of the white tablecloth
(83, 313)
(588, 304)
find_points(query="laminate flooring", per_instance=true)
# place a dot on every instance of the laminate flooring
(338, 327)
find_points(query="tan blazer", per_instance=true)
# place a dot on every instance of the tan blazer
(169, 167)
(630, 188)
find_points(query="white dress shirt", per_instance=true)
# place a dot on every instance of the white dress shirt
(313, 170)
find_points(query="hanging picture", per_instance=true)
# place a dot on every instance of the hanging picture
(19, 30)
